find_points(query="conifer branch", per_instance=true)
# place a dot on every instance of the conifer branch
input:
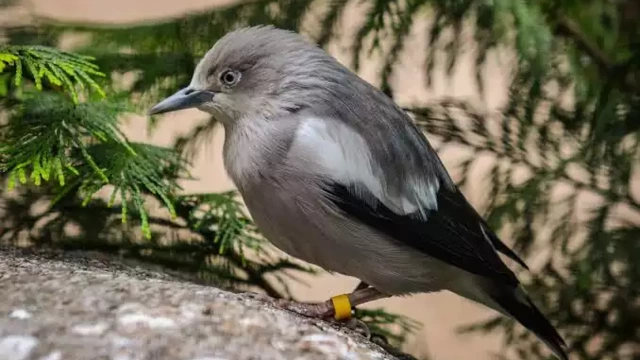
(59, 69)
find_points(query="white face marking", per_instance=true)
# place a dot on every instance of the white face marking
(332, 149)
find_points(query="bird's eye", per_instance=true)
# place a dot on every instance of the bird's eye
(230, 77)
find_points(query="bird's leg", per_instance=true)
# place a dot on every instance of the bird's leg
(361, 285)
(339, 307)
(355, 323)
(344, 304)
(362, 294)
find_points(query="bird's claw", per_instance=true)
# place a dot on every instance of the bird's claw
(356, 325)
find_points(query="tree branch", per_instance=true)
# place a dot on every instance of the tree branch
(569, 29)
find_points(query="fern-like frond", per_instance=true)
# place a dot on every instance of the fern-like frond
(47, 128)
(79, 145)
(223, 213)
(58, 68)
(133, 170)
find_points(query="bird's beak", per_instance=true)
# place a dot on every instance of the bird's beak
(183, 99)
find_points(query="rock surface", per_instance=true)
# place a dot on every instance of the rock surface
(69, 306)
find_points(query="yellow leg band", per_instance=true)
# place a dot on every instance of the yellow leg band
(342, 307)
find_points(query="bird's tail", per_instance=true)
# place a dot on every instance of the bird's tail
(513, 302)
(517, 304)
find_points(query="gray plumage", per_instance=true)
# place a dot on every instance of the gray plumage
(336, 174)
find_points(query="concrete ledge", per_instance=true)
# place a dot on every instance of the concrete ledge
(71, 306)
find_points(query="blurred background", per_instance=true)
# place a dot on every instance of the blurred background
(533, 106)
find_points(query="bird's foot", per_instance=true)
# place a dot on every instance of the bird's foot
(323, 310)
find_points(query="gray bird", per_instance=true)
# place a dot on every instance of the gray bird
(333, 172)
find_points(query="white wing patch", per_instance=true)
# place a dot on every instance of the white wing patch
(333, 150)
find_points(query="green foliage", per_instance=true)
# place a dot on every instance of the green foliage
(49, 137)
(58, 68)
(142, 168)
(46, 129)
(569, 133)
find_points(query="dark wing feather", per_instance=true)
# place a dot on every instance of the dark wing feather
(495, 240)
(451, 234)
(502, 247)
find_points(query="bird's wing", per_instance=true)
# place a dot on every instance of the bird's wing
(423, 213)
(449, 234)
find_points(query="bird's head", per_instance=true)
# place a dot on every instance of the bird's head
(256, 71)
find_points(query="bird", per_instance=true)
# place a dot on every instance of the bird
(335, 173)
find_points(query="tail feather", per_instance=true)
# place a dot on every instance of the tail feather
(517, 304)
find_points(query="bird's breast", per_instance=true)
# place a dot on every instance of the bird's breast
(255, 147)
